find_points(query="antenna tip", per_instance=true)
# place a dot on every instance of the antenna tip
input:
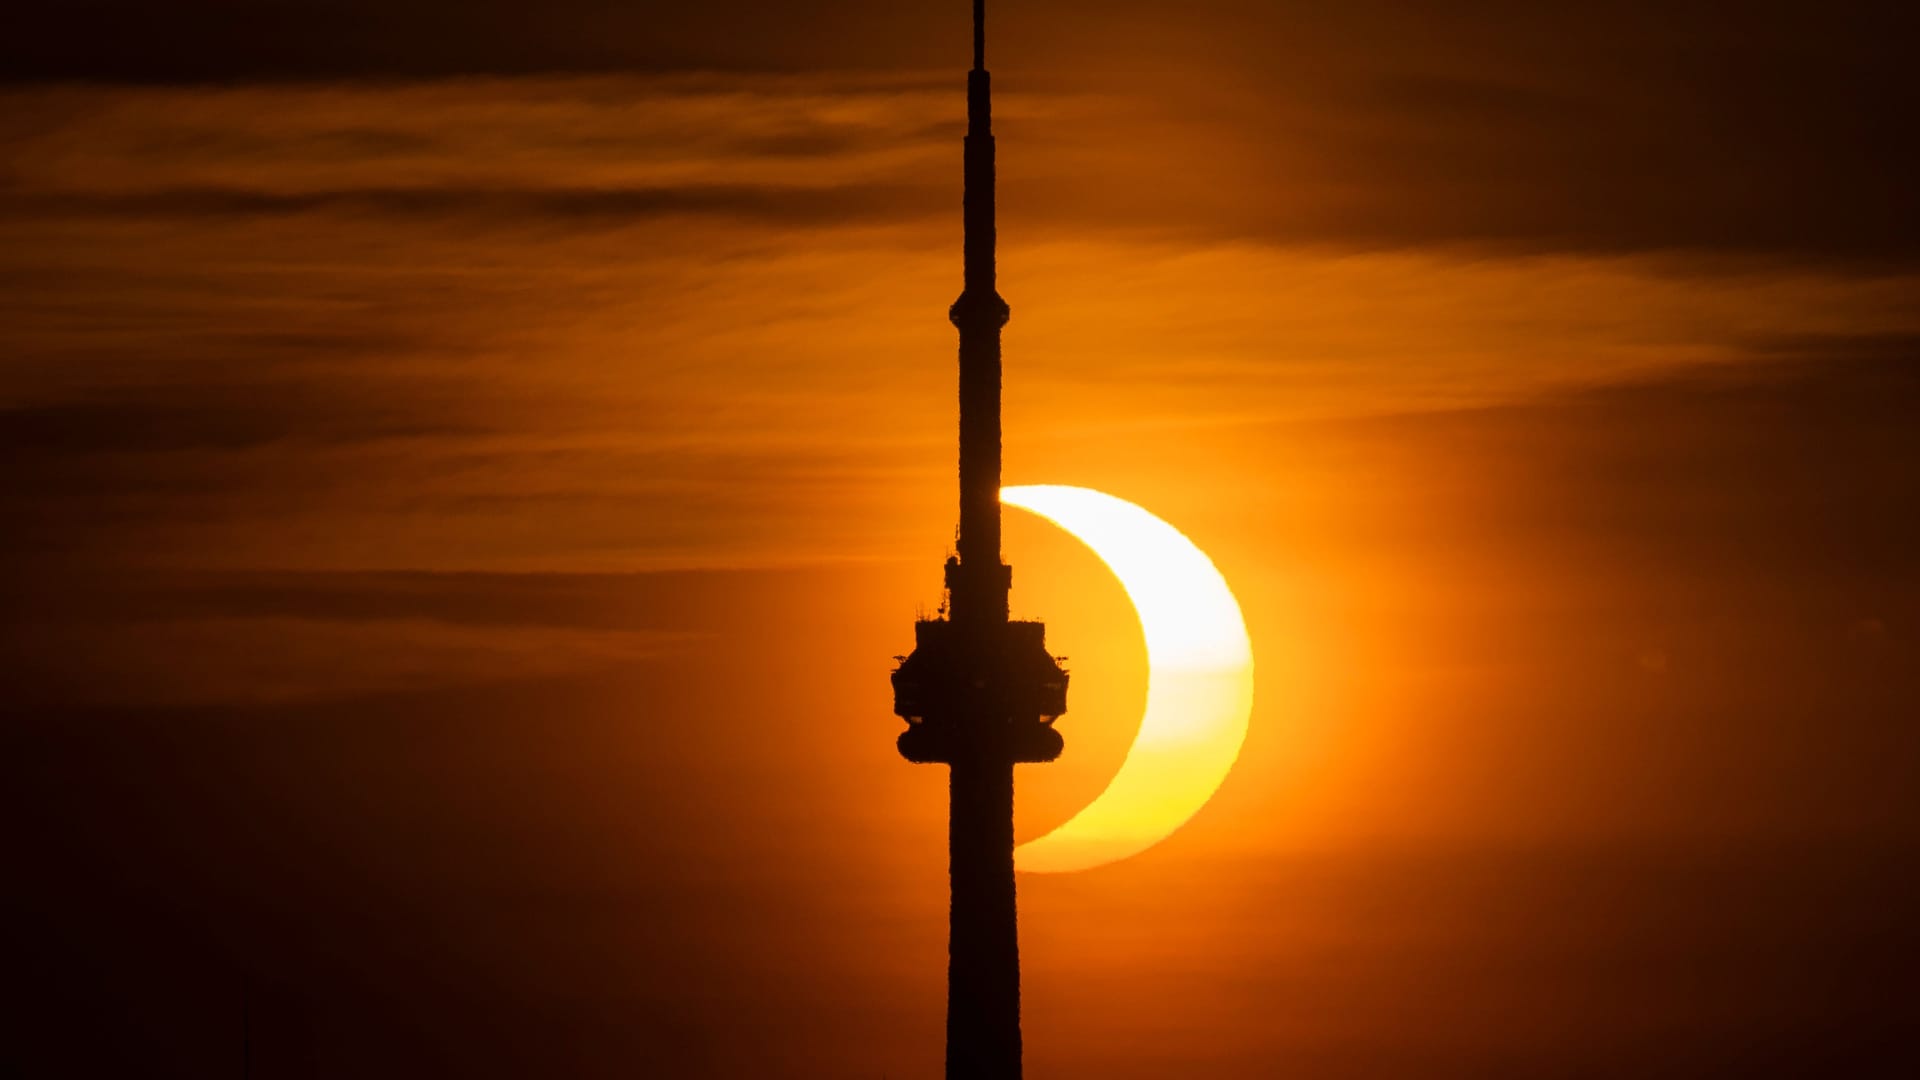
(979, 35)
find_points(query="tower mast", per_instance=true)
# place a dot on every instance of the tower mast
(980, 692)
(980, 593)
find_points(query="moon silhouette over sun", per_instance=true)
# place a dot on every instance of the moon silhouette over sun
(1199, 680)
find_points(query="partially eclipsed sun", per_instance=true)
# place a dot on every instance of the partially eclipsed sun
(1199, 680)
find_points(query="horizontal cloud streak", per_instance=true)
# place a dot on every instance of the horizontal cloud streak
(791, 206)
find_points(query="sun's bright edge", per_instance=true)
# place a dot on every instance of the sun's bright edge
(1199, 680)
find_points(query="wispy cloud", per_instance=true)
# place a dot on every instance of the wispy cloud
(695, 320)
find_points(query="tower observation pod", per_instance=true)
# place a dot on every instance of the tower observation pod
(997, 702)
(980, 692)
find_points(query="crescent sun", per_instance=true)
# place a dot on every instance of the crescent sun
(1199, 680)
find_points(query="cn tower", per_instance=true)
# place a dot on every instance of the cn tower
(980, 691)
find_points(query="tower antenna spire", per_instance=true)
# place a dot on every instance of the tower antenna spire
(979, 314)
(979, 35)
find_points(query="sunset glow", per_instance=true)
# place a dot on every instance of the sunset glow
(469, 473)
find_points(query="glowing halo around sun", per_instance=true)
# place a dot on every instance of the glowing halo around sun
(1199, 680)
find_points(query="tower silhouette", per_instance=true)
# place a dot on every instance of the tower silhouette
(980, 692)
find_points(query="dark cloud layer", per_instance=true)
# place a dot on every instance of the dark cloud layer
(1777, 129)
(1795, 468)
(213, 40)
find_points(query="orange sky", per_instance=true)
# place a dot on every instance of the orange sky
(462, 494)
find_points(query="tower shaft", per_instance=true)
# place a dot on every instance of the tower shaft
(983, 939)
